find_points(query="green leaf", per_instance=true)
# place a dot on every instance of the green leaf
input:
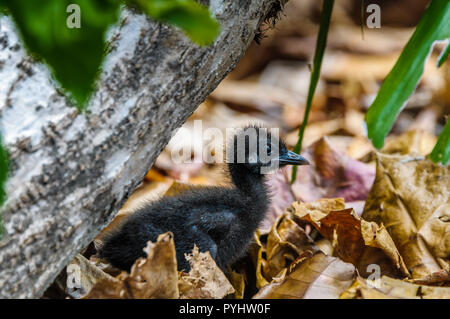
(317, 64)
(444, 56)
(190, 16)
(3, 9)
(3, 176)
(404, 76)
(73, 54)
(441, 151)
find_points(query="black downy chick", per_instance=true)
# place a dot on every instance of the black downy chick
(220, 220)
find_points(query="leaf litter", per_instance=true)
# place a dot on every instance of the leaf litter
(355, 224)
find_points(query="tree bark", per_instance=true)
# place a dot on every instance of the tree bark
(70, 173)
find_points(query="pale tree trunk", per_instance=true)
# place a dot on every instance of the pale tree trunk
(71, 172)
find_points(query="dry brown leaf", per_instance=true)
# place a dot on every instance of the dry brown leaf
(316, 131)
(439, 277)
(378, 237)
(325, 246)
(255, 95)
(359, 147)
(343, 66)
(354, 123)
(237, 280)
(347, 37)
(390, 288)
(153, 277)
(427, 119)
(205, 279)
(348, 233)
(410, 197)
(107, 289)
(87, 274)
(256, 254)
(318, 209)
(285, 243)
(416, 142)
(331, 174)
(319, 276)
(156, 276)
(348, 66)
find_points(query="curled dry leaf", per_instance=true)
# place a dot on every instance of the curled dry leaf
(156, 276)
(332, 174)
(256, 254)
(237, 280)
(82, 276)
(318, 209)
(390, 288)
(318, 276)
(285, 243)
(205, 279)
(153, 277)
(411, 197)
(439, 277)
(349, 234)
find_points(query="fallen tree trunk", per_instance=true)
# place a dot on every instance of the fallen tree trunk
(71, 172)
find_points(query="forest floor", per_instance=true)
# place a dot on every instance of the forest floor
(357, 223)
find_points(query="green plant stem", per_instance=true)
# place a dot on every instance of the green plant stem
(444, 56)
(317, 64)
(362, 19)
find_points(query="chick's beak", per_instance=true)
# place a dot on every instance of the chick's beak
(292, 158)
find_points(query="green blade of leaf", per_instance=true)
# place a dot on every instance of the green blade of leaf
(404, 76)
(444, 56)
(321, 43)
(73, 54)
(441, 151)
(193, 18)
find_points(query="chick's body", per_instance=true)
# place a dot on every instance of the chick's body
(216, 219)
